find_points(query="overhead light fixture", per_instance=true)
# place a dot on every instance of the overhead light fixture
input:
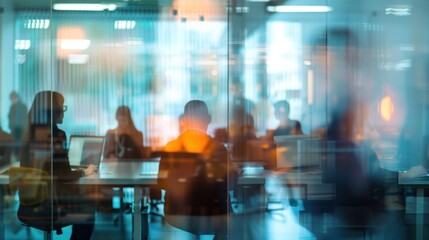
(75, 44)
(78, 58)
(84, 7)
(298, 9)
(22, 44)
(37, 23)
(405, 11)
(124, 24)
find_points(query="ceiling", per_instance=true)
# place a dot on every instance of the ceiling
(122, 4)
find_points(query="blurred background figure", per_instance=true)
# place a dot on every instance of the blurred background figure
(17, 116)
(125, 141)
(240, 139)
(286, 126)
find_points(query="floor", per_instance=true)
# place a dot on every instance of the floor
(279, 225)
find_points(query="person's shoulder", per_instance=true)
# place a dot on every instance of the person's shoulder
(295, 123)
(21, 104)
(216, 145)
(139, 133)
(173, 146)
(61, 134)
(110, 132)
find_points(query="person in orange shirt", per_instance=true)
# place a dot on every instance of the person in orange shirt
(197, 190)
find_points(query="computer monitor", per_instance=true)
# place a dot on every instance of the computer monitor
(85, 150)
(298, 151)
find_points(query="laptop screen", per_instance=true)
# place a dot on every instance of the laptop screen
(298, 151)
(85, 150)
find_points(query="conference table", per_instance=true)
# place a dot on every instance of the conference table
(420, 184)
(312, 186)
(138, 174)
(142, 174)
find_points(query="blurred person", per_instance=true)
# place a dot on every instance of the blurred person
(17, 116)
(195, 140)
(286, 126)
(337, 114)
(124, 141)
(42, 135)
(244, 132)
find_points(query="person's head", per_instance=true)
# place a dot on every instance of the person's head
(197, 115)
(282, 109)
(47, 107)
(124, 119)
(14, 97)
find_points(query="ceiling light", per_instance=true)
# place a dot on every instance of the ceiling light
(124, 24)
(78, 58)
(302, 9)
(398, 11)
(75, 44)
(83, 7)
(37, 24)
(22, 44)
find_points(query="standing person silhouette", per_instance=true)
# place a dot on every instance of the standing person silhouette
(17, 116)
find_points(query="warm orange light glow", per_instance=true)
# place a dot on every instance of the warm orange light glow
(202, 10)
(69, 33)
(386, 108)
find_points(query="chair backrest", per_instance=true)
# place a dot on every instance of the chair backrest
(33, 184)
(194, 185)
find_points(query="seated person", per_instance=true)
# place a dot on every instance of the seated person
(125, 141)
(286, 126)
(46, 113)
(187, 209)
(242, 134)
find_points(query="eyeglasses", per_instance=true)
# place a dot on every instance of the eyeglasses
(64, 108)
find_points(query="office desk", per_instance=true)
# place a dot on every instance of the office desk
(419, 183)
(136, 174)
(128, 174)
(310, 182)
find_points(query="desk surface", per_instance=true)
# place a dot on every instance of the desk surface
(310, 177)
(132, 173)
(124, 173)
(128, 173)
(416, 182)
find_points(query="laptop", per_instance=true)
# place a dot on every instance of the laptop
(85, 150)
(298, 152)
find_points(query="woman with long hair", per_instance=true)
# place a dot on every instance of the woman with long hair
(45, 148)
(124, 141)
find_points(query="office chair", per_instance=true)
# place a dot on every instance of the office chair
(37, 207)
(196, 198)
(348, 220)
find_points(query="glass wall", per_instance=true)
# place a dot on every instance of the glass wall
(312, 125)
